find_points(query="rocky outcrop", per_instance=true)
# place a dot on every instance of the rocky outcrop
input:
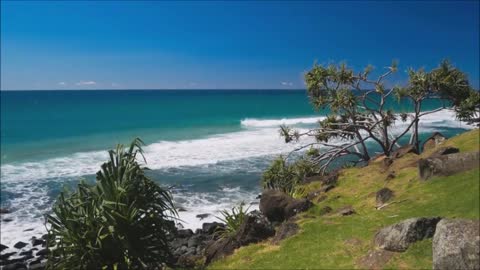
(346, 211)
(400, 236)
(456, 244)
(447, 164)
(402, 151)
(434, 140)
(383, 196)
(444, 151)
(278, 206)
(255, 228)
(329, 179)
(285, 230)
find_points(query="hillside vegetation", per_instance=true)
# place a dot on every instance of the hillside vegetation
(331, 241)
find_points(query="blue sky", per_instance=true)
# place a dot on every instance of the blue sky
(210, 45)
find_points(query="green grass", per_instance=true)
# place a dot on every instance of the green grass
(336, 242)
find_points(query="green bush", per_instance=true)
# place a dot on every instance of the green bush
(233, 219)
(120, 222)
(287, 177)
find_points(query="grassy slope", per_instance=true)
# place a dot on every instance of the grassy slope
(332, 241)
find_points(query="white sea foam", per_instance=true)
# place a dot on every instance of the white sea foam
(252, 122)
(258, 139)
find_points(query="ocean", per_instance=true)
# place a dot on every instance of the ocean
(209, 146)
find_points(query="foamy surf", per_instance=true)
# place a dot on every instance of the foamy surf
(252, 122)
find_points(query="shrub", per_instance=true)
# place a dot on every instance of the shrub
(286, 177)
(120, 222)
(233, 219)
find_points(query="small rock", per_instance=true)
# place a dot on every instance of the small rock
(285, 230)
(445, 151)
(383, 196)
(42, 252)
(189, 261)
(6, 255)
(7, 220)
(456, 244)
(4, 211)
(19, 245)
(202, 216)
(28, 230)
(181, 209)
(259, 196)
(400, 236)
(346, 211)
(2, 247)
(211, 227)
(184, 233)
(36, 242)
(26, 253)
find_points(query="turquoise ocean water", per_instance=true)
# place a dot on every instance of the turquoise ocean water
(211, 145)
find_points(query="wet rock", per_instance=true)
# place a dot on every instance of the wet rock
(278, 206)
(181, 209)
(6, 255)
(7, 220)
(285, 230)
(196, 240)
(20, 245)
(4, 211)
(184, 233)
(2, 247)
(36, 242)
(211, 227)
(15, 266)
(447, 164)
(42, 252)
(383, 196)
(346, 211)
(190, 261)
(28, 230)
(202, 216)
(26, 253)
(456, 244)
(400, 236)
(220, 248)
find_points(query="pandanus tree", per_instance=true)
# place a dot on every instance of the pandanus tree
(356, 115)
(121, 222)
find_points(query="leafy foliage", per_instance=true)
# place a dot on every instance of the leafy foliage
(286, 177)
(233, 219)
(121, 222)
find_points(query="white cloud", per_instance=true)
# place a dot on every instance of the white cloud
(62, 83)
(86, 83)
(286, 83)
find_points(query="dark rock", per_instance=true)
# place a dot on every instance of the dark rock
(383, 196)
(181, 209)
(285, 230)
(15, 266)
(456, 244)
(6, 255)
(26, 253)
(196, 240)
(3, 247)
(435, 139)
(28, 230)
(45, 237)
(254, 228)
(211, 227)
(4, 211)
(7, 220)
(400, 236)
(184, 233)
(42, 252)
(220, 248)
(447, 164)
(19, 245)
(346, 211)
(445, 151)
(36, 242)
(278, 206)
(39, 266)
(402, 151)
(27, 257)
(325, 210)
(198, 231)
(202, 216)
(259, 196)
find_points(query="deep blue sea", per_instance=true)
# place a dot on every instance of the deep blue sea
(210, 145)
